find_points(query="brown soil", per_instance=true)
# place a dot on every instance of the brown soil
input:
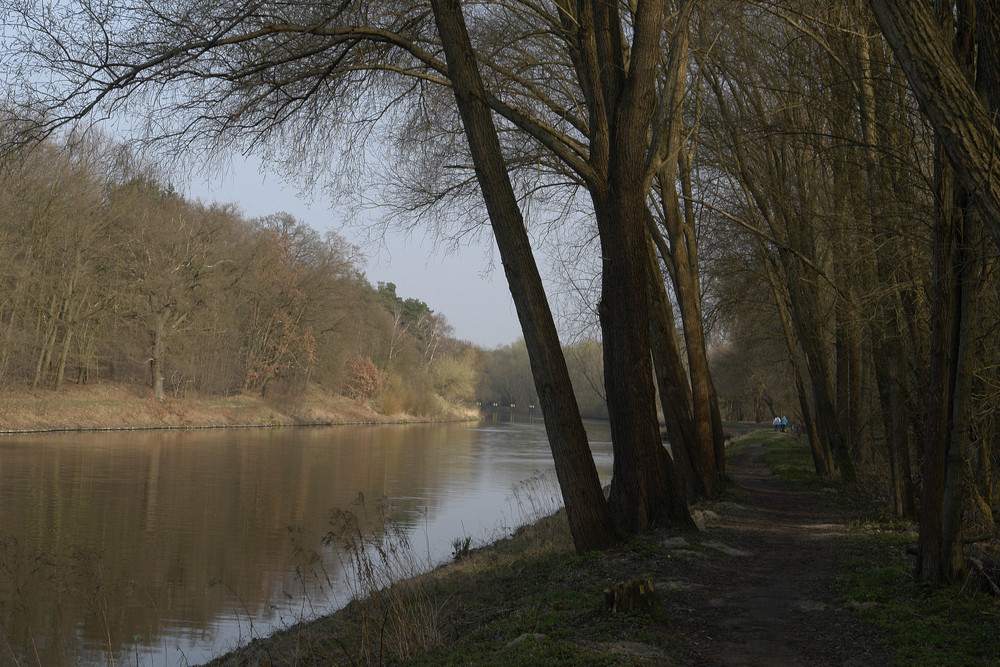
(772, 601)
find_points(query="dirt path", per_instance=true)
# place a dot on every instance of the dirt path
(770, 600)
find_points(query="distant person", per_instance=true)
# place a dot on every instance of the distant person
(784, 423)
(777, 423)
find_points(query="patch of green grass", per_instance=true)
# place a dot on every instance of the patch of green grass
(548, 609)
(790, 458)
(760, 437)
(747, 441)
(728, 492)
(644, 547)
(529, 649)
(951, 626)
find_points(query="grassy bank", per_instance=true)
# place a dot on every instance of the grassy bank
(529, 599)
(112, 406)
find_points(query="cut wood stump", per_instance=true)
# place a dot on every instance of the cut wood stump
(637, 595)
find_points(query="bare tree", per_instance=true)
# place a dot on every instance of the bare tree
(293, 73)
(167, 249)
(965, 121)
(586, 509)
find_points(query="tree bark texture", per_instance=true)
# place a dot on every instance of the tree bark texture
(810, 320)
(159, 348)
(675, 396)
(940, 556)
(645, 489)
(886, 340)
(681, 257)
(967, 129)
(586, 508)
(940, 551)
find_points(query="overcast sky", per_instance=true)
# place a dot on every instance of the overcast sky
(478, 306)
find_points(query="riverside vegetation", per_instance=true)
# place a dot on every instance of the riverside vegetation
(784, 566)
(116, 287)
(125, 407)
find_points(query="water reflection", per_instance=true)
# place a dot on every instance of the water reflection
(170, 547)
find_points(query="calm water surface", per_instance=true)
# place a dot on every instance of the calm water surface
(171, 547)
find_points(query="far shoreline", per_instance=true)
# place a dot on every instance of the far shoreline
(109, 407)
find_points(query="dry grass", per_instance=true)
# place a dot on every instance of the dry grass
(397, 615)
(116, 406)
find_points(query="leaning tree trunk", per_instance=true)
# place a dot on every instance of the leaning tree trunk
(675, 396)
(822, 459)
(586, 508)
(964, 124)
(694, 337)
(708, 449)
(885, 336)
(699, 464)
(694, 325)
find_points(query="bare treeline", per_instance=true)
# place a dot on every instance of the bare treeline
(108, 274)
(855, 274)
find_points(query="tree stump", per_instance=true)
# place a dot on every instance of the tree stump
(637, 595)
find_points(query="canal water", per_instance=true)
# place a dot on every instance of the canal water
(172, 547)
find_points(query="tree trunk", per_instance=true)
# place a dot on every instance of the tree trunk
(967, 130)
(700, 453)
(849, 374)
(618, 83)
(696, 346)
(645, 489)
(49, 322)
(940, 552)
(886, 339)
(821, 455)
(63, 357)
(675, 397)
(688, 300)
(885, 342)
(939, 549)
(159, 348)
(681, 257)
(807, 320)
(586, 508)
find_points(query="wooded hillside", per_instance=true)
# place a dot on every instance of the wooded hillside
(107, 274)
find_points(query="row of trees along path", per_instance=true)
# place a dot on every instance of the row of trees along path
(770, 600)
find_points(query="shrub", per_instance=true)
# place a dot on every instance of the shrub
(364, 379)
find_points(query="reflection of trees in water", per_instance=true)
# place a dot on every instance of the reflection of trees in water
(123, 538)
(54, 599)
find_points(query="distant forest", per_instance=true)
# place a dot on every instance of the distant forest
(108, 274)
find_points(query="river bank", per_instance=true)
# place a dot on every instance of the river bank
(781, 572)
(108, 406)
